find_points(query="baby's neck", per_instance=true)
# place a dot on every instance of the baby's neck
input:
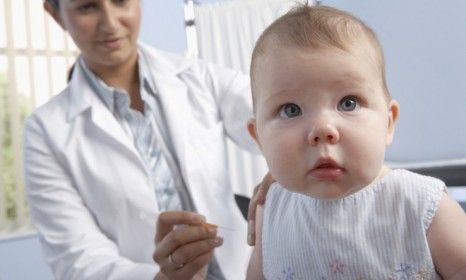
(383, 171)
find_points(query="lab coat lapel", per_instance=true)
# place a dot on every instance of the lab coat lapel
(173, 97)
(83, 97)
(104, 120)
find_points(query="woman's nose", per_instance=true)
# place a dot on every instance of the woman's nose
(108, 21)
(324, 133)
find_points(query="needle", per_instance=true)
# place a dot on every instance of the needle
(216, 226)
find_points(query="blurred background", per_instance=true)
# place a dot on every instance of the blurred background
(424, 44)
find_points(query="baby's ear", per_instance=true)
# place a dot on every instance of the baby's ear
(252, 129)
(393, 113)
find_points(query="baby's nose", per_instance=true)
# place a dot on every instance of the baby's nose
(326, 133)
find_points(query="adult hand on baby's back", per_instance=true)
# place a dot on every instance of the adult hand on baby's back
(184, 252)
(258, 198)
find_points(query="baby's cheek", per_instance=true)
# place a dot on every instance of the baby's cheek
(283, 167)
(282, 153)
(372, 157)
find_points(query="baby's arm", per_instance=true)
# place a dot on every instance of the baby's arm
(447, 239)
(255, 263)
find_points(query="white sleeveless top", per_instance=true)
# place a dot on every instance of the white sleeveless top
(378, 232)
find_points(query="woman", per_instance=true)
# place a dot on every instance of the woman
(136, 133)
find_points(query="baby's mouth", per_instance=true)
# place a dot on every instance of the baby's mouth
(326, 168)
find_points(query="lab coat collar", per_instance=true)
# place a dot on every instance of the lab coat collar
(161, 65)
(165, 62)
(83, 98)
(165, 69)
(81, 93)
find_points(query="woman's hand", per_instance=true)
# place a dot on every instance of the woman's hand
(260, 192)
(184, 252)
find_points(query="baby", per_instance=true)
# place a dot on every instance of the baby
(323, 118)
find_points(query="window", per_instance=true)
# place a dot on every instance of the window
(35, 55)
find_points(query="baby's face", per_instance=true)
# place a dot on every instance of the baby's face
(322, 120)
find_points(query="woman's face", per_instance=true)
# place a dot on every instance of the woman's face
(106, 31)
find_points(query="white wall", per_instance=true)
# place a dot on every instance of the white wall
(21, 258)
(163, 24)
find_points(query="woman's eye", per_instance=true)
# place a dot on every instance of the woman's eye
(120, 2)
(87, 7)
(290, 110)
(348, 104)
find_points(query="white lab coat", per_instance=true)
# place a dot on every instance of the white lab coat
(89, 194)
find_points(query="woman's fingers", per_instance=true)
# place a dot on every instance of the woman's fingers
(182, 236)
(197, 264)
(260, 192)
(181, 251)
(191, 270)
(265, 185)
(167, 221)
(188, 254)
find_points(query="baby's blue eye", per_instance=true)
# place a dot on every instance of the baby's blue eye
(290, 110)
(348, 103)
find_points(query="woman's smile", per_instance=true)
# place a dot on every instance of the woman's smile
(111, 44)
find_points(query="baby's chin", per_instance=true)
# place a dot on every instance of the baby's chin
(327, 190)
(332, 194)
(335, 189)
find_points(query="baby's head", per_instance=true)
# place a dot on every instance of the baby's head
(322, 112)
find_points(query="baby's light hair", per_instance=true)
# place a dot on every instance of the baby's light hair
(319, 27)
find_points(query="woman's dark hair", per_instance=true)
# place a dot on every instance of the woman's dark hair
(54, 3)
(70, 72)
